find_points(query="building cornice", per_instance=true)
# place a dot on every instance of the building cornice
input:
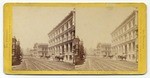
(125, 21)
(60, 24)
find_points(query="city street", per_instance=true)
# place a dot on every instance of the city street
(91, 63)
(105, 64)
(32, 64)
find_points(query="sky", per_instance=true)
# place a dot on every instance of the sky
(93, 25)
(32, 24)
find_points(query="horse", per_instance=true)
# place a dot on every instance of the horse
(47, 57)
(110, 56)
(104, 55)
(41, 56)
(60, 57)
(122, 57)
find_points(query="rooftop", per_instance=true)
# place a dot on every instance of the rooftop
(71, 13)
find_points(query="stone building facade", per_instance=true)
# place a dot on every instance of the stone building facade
(14, 43)
(61, 38)
(103, 49)
(124, 38)
(40, 50)
(16, 51)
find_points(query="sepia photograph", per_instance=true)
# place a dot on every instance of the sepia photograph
(74, 38)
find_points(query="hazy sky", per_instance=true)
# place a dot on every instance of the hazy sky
(95, 25)
(32, 24)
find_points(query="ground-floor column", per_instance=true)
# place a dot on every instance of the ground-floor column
(116, 50)
(70, 54)
(69, 47)
(66, 57)
(119, 49)
(60, 49)
(132, 47)
(128, 53)
(135, 56)
(136, 48)
(123, 48)
(55, 51)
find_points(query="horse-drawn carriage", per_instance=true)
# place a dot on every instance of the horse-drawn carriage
(78, 53)
(122, 57)
(59, 57)
(55, 57)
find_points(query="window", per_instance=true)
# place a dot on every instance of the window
(125, 28)
(66, 34)
(70, 22)
(66, 25)
(130, 35)
(71, 47)
(133, 46)
(62, 37)
(14, 47)
(62, 28)
(70, 57)
(67, 57)
(133, 56)
(66, 47)
(129, 56)
(129, 46)
(58, 31)
(133, 22)
(125, 36)
(129, 24)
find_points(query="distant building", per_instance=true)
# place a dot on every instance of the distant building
(124, 38)
(14, 43)
(34, 53)
(91, 52)
(16, 51)
(103, 49)
(40, 49)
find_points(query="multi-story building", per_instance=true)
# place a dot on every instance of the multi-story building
(124, 38)
(61, 38)
(40, 50)
(16, 52)
(33, 53)
(14, 42)
(103, 49)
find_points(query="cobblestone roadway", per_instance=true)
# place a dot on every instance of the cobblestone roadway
(96, 63)
(91, 63)
(30, 63)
